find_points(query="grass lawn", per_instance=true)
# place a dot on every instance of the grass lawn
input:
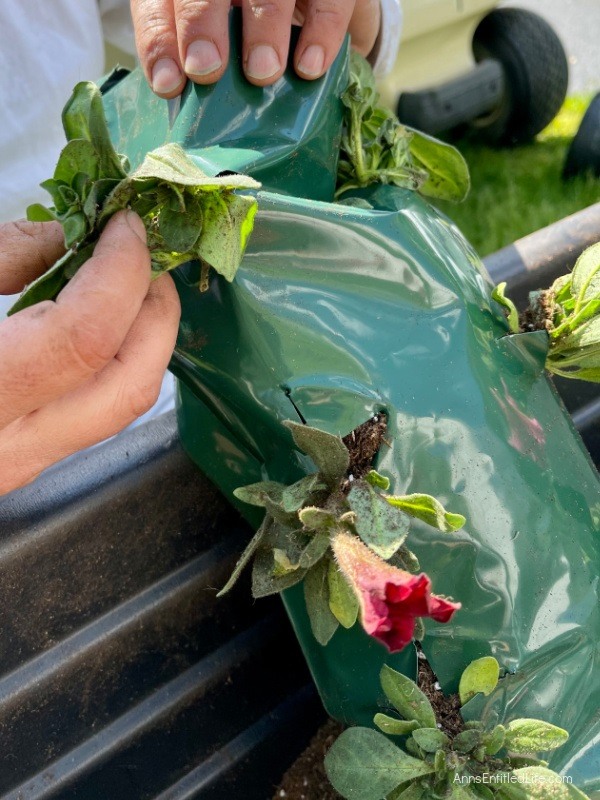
(519, 190)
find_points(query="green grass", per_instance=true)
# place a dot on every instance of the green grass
(517, 191)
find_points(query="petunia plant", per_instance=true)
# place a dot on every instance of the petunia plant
(340, 532)
(425, 751)
(569, 311)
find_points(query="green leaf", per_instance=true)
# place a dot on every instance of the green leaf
(414, 791)
(533, 735)
(228, 222)
(466, 741)
(407, 698)
(314, 550)
(301, 492)
(363, 765)
(283, 565)
(482, 792)
(316, 594)
(380, 526)
(328, 452)
(462, 792)
(48, 285)
(78, 156)
(512, 314)
(342, 600)
(180, 227)
(83, 118)
(75, 228)
(317, 519)
(542, 783)
(405, 559)
(254, 494)
(430, 739)
(480, 677)
(377, 480)
(495, 740)
(429, 510)
(447, 170)
(172, 165)
(575, 793)
(393, 726)
(39, 213)
(265, 582)
(244, 559)
(585, 278)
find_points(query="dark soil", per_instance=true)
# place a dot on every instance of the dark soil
(306, 778)
(446, 707)
(363, 444)
(538, 317)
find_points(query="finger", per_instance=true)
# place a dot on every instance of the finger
(124, 390)
(364, 25)
(51, 348)
(157, 47)
(325, 25)
(203, 34)
(267, 27)
(27, 249)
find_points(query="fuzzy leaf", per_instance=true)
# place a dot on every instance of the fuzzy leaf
(83, 118)
(380, 527)
(51, 282)
(512, 315)
(244, 559)
(430, 739)
(342, 600)
(228, 222)
(254, 494)
(78, 156)
(429, 510)
(405, 559)
(533, 735)
(495, 740)
(363, 765)
(414, 791)
(264, 582)
(180, 227)
(393, 726)
(317, 519)
(39, 213)
(406, 697)
(316, 595)
(377, 480)
(299, 493)
(447, 170)
(480, 677)
(466, 741)
(462, 792)
(585, 278)
(542, 783)
(314, 550)
(327, 451)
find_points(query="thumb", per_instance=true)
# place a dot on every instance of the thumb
(27, 250)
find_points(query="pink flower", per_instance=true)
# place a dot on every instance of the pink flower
(390, 599)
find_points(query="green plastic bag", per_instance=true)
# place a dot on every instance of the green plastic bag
(340, 312)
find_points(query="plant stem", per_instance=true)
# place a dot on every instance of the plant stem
(355, 135)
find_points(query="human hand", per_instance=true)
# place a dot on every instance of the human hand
(76, 371)
(177, 39)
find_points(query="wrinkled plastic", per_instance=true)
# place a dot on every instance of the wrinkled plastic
(341, 312)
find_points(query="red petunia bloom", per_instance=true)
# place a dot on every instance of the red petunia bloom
(390, 599)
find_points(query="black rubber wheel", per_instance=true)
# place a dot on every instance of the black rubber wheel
(536, 73)
(584, 152)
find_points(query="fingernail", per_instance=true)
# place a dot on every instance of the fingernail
(166, 76)
(202, 58)
(136, 225)
(312, 61)
(263, 62)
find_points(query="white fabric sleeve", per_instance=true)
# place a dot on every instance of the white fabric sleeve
(117, 25)
(388, 42)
